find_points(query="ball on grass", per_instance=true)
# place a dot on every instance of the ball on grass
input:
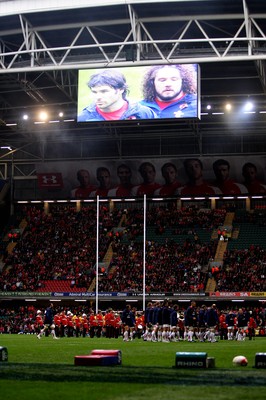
(240, 361)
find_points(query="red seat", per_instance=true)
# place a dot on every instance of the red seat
(59, 286)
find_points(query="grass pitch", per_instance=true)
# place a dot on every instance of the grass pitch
(44, 369)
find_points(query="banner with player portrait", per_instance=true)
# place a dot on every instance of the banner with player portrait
(181, 177)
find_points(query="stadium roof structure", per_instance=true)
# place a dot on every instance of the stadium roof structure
(44, 44)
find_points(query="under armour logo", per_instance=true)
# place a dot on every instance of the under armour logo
(49, 179)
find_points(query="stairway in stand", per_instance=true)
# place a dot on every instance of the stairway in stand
(220, 250)
(211, 285)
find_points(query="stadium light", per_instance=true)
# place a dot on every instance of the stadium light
(6, 148)
(43, 115)
(248, 106)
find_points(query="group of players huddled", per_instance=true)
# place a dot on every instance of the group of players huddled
(161, 321)
(165, 322)
(67, 324)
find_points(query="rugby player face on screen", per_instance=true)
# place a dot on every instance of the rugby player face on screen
(168, 84)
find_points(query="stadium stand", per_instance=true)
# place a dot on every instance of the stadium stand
(56, 252)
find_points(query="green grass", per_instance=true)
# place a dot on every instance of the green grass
(44, 369)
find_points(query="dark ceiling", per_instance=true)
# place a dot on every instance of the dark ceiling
(41, 53)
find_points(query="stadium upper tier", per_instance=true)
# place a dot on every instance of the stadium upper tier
(188, 250)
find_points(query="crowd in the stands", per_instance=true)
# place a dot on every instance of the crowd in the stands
(170, 267)
(243, 270)
(61, 245)
(58, 245)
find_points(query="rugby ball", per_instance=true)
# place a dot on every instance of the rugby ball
(240, 361)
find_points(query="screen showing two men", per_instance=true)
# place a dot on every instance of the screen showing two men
(139, 93)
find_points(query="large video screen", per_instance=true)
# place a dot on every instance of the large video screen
(139, 93)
